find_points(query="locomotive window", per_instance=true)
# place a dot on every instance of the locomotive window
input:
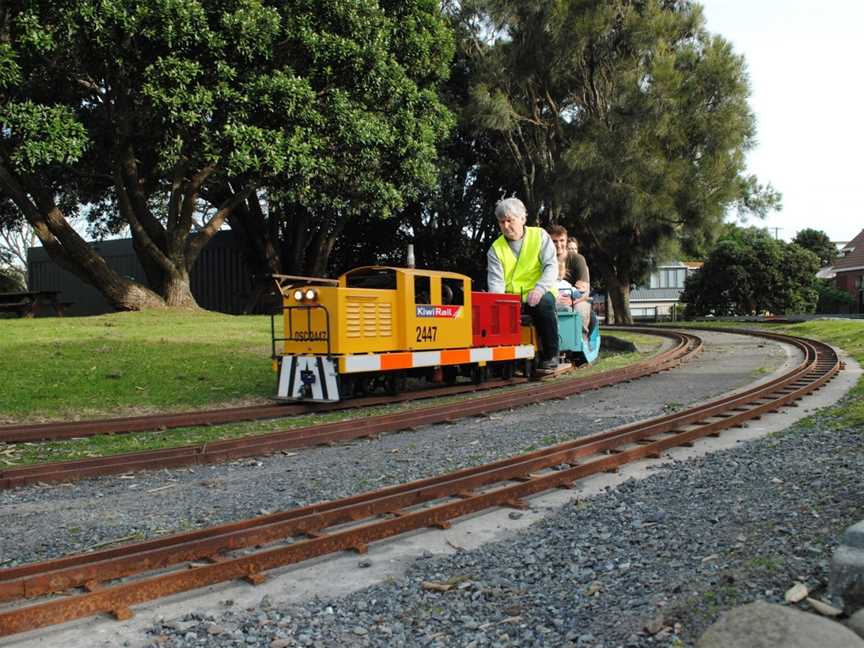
(422, 290)
(377, 278)
(452, 292)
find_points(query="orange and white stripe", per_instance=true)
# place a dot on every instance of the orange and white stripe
(412, 359)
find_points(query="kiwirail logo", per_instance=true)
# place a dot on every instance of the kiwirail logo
(448, 312)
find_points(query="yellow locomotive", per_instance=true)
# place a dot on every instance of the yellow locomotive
(381, 324)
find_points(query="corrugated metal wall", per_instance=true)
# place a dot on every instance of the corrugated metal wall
(220, 278)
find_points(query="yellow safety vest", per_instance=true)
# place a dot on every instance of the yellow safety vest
(521, 274)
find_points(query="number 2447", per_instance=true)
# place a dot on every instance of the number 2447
(427, 333)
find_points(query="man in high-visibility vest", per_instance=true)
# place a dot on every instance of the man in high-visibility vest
(522, 261)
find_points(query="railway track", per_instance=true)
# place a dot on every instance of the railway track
(57, 430)
(113, 580)
(218, 451)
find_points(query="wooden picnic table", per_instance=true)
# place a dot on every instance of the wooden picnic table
(27, 303)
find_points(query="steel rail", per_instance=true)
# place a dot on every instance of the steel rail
(256, 445)
(58, 430)
(248, 548)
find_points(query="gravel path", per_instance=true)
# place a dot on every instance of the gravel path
(668, 551)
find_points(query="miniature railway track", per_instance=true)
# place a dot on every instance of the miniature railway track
(56, 430)
(113, 580)
(217, 451)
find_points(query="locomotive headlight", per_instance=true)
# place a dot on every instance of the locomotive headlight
(298, 295)
(310, 294)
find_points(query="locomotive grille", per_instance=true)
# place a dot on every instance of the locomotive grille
(368, 319)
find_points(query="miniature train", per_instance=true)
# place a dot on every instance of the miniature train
(375, 326)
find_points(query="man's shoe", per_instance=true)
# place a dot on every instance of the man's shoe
(549, 365)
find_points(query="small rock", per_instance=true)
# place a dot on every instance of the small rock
(280, 643)
(823, 608)
(214, 629)
(360, 632)
(515, 515)
(365, 563)
(798, 592)
(655, 625)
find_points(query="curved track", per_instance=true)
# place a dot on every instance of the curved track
(246, 549)
(684, 346)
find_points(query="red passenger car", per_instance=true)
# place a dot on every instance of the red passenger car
(495, 319)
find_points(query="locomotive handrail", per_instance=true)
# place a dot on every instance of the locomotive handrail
(290, 338)
(297, 279)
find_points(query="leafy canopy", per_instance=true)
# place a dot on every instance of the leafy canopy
(818, 243)
(750, 273)
(625, 121)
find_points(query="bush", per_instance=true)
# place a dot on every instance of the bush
(11, 280)
(832, 299)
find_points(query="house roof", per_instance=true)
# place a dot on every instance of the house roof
(854, 258)
(654, 294)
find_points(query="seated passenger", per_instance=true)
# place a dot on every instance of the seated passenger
(566, 293)
(522, 262)
(573, 271)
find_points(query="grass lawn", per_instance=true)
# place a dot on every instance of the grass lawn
(849, 336)
(222, 358)
(844, 334)
(128, 363)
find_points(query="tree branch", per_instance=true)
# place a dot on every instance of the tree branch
(139, 232)
(196, 243)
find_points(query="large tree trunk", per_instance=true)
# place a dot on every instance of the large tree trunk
(325, 245)
(296, 233)
(619, 295)
(71, 252)
(258, 234)
(177, 290)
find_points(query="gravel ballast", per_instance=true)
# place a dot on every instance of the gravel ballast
(662, 555)
(665, 553)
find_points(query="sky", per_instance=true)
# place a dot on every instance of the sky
(805, 60)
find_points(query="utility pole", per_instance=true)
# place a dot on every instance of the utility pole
(776, 231)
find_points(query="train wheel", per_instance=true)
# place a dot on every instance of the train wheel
(394, 383)
(478, 374)
(450, 372)
(346, 386)
(362, 386)
(507, 370)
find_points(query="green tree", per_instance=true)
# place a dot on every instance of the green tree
(818, 243)
(832, 299)
(377, 74)
(11, 279)
(750, 273)
(625, 121)
(150, 114)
